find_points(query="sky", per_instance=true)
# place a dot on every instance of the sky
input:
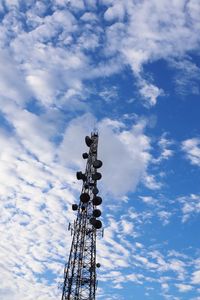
(131, 70)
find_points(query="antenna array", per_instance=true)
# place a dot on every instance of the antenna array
(80, 281)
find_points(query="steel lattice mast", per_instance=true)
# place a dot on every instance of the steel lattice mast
(80, 281)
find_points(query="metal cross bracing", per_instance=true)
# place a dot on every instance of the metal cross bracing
(80, 280)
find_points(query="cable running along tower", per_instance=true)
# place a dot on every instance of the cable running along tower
(80, 280)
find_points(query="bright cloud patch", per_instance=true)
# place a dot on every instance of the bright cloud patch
(192, 149)
(196, 277)
(190, 206)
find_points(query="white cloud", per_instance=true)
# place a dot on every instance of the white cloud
(127, 227)
(150, 92)
(116, 11)
(196, 277)
(165, 286)
(126, 155)
(192, 149)
(151, 182)
(164, 144)
(31, 225)
(78, 4)
(109, 94)
(178, 266)
(89, 16)
(149, 200)
(190, 206)
(184, 287)
(170, 32)
(50, 70)
(73, 144)
(164, 216)
(139, 40)
(187, 79)
(35, 197)
(12, 3)
(12, 80)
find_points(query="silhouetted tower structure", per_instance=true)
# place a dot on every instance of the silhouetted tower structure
(80, 280)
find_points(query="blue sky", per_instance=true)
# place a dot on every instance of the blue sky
(130, 69)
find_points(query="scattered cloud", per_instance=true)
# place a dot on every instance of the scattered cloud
(170, 32)
(151, 182)
(191, 147)
(184, 287)
(50, 53)
(129, 35)
(164, 144)
(148, 200)
(109, 94)
(190, 206)
(150, 93)
(164, 216)
(196, 277)
(187, 78)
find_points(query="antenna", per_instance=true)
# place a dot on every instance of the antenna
(80, 279)
(95, 130)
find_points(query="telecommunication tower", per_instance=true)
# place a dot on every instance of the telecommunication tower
(80, 280)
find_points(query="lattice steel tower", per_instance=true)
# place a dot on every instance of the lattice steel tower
(80, 280)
